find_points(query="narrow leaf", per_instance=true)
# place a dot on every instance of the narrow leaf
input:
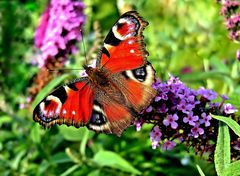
(113, 160)
(233, 169)
(230, 122)
(200, 170)
(17, 160)
(84, 142)
(222, 153)
(70, 170)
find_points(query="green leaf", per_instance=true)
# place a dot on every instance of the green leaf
(84, 142)
(35, 133)
(60, 157)
(74, 134)
(230, 122)
(113, 160)
(43, 166)
(70, 170)
(5, 119)
(17, 160)
(222, 156)
(200, 170)
(204, 75)
(48, 88)
(233, 169)
(93, 173)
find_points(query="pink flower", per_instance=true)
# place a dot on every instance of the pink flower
(59, 29)
(155, 136)
(138, 123)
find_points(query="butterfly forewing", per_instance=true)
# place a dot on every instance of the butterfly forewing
(123, 48)
(70, 104)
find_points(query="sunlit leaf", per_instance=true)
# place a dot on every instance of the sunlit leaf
(233, 169)
(17, 160)
(111, 159)
(200, 170)
(74, 134)
(5, 119)
(230, 122)
(222, 155)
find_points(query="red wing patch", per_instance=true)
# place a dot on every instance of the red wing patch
(123, 48)
(70, 104)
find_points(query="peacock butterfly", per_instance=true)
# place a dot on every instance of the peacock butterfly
(114, 92)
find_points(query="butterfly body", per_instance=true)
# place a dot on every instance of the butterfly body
(112, 93)
(97, 76)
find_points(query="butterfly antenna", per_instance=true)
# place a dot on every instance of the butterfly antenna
(84, 48)
(63, 69)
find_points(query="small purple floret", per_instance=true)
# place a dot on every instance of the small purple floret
(205, 119)
(168, 145)
(170, 120)
(229, 108)
(190, 119)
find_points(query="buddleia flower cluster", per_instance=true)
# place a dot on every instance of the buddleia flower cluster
(56, 37)
(230, 10)
(183, 115)
(59, 30)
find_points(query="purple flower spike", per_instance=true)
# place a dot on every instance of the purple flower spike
(59, 30)
(155, 136)
(190, 119)
(196, 131)
(229, 108)
(205, 119)
(168, 145)
(170, 120)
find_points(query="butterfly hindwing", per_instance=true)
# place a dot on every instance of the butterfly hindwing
(70, 104)
(115, 106)
(123, 48)
(138, 86)
(110, 117)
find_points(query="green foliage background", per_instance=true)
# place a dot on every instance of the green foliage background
(181, 33)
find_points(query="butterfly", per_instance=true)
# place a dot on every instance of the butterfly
(112, 93)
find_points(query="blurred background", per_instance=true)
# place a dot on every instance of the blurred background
(186, 38)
